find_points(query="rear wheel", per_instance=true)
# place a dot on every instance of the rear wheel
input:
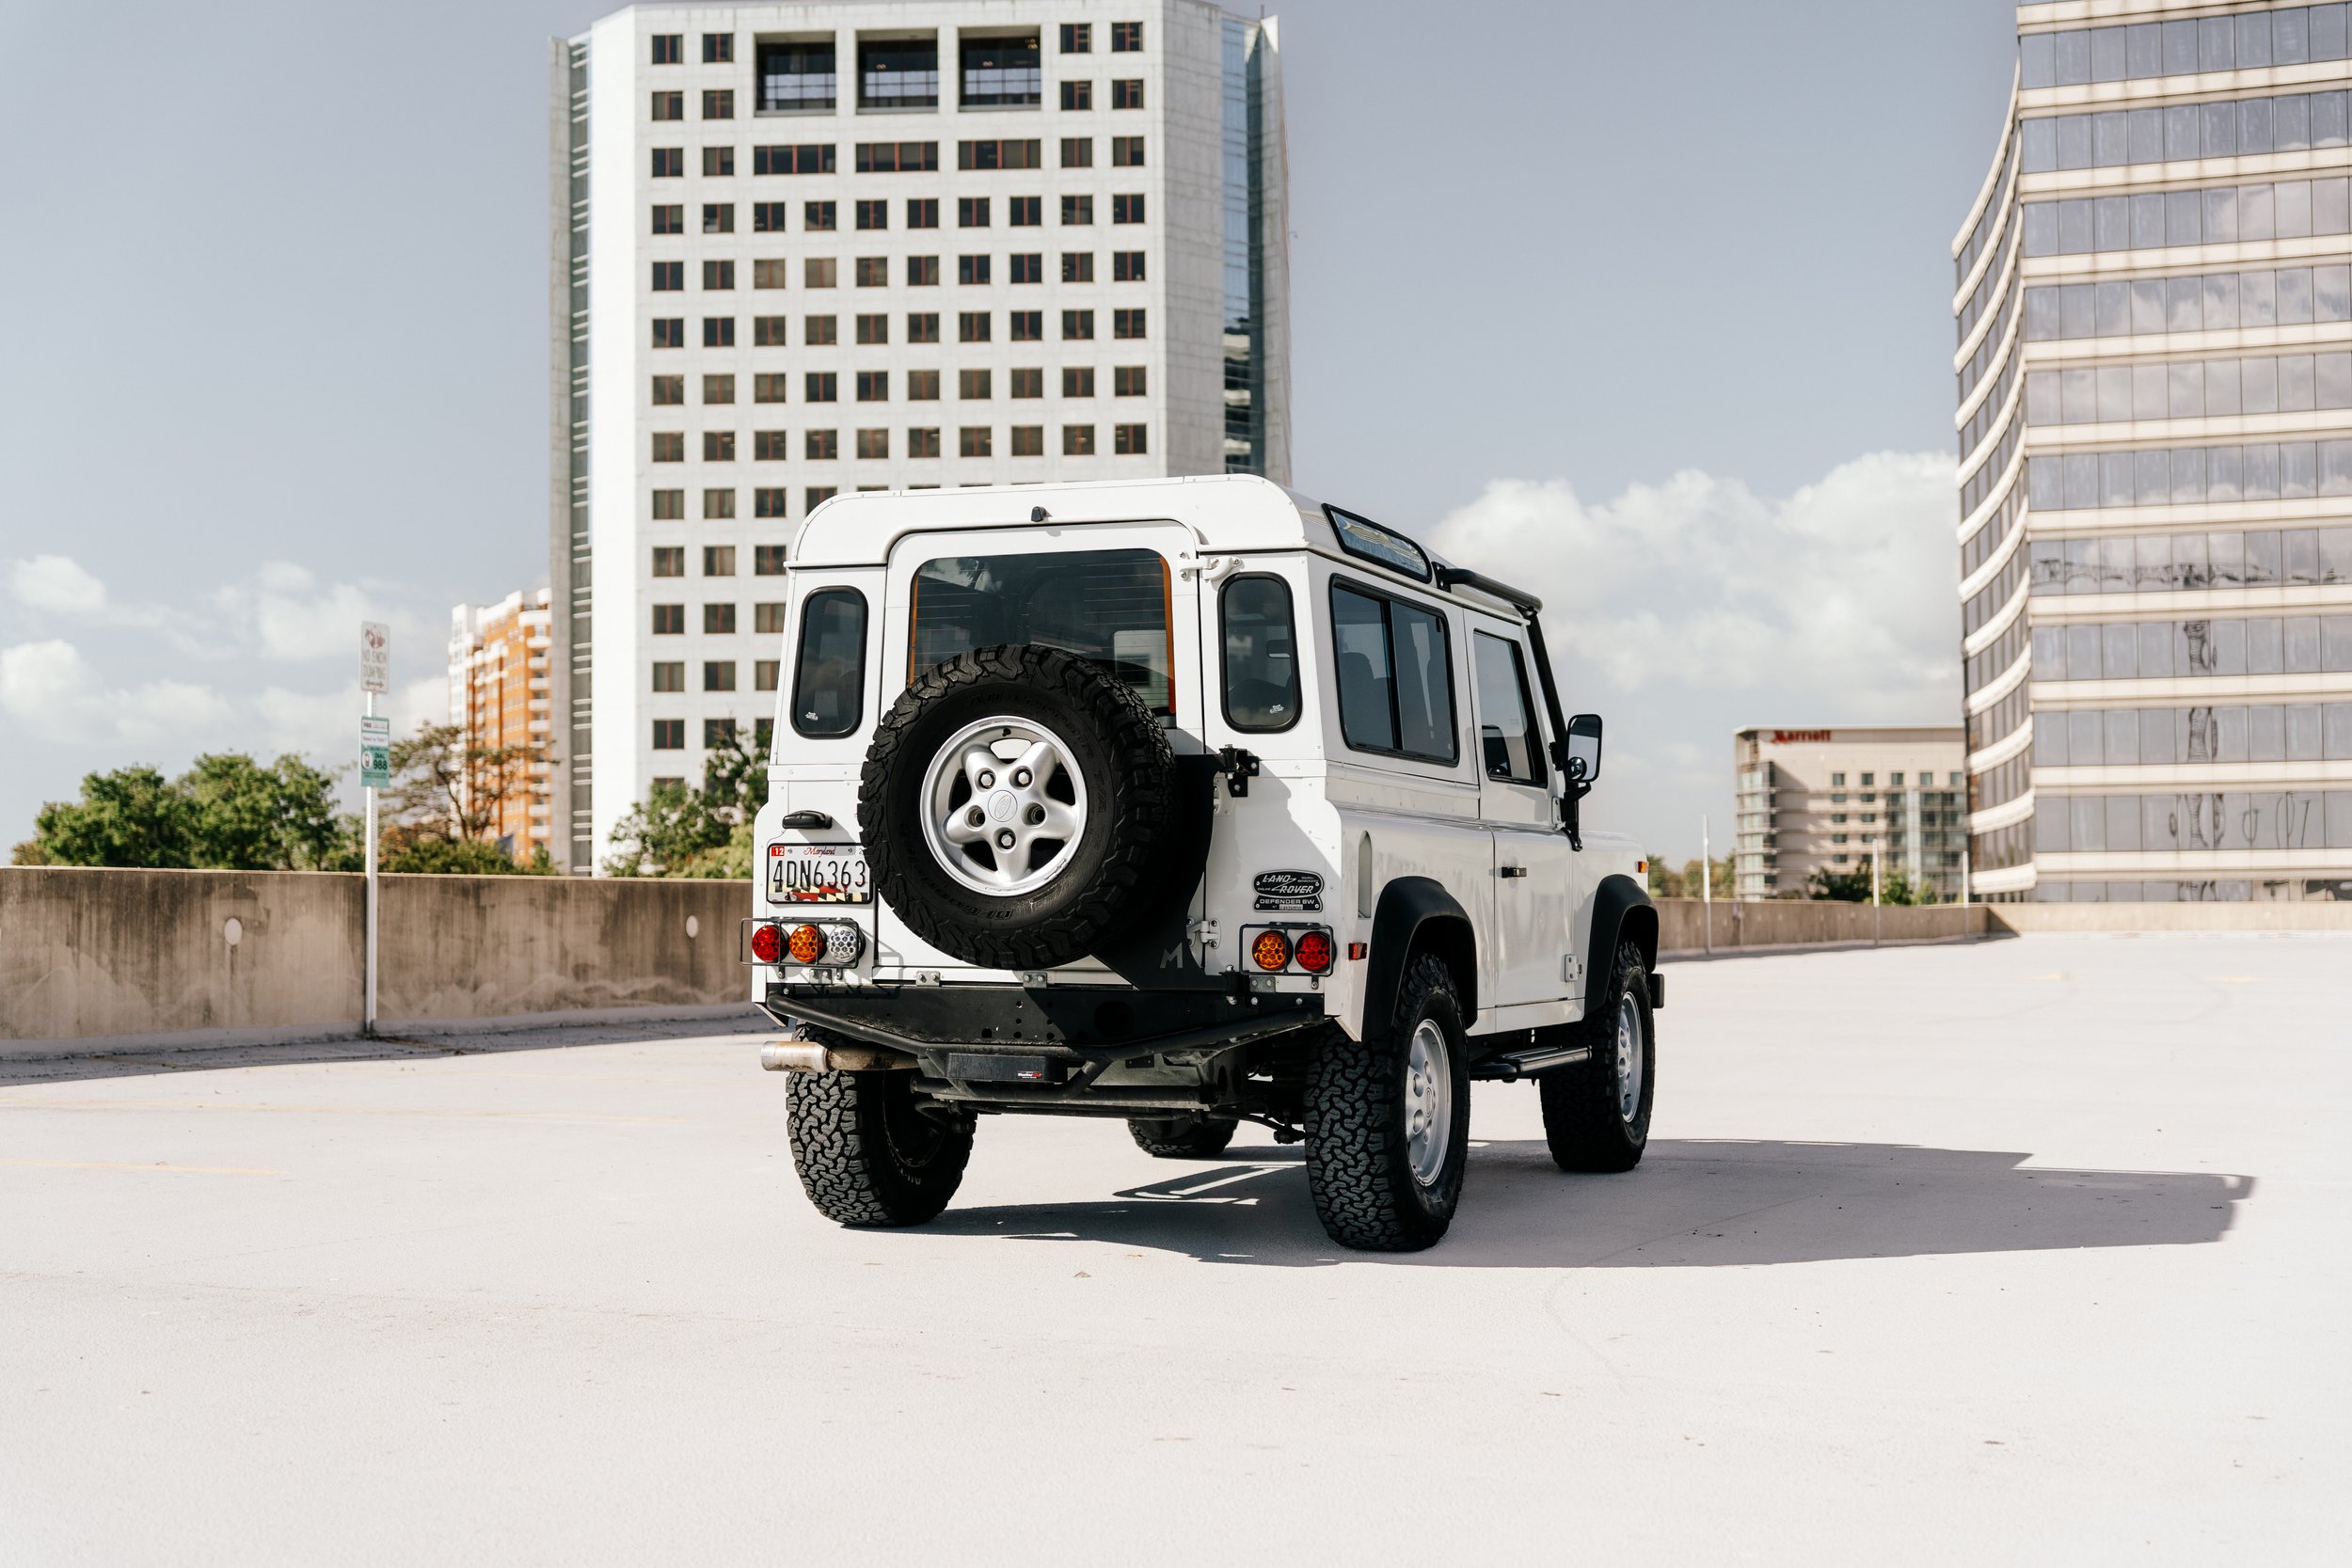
(1388, 1121)
(869, 1152)
(1198, 1138)
(1597, 1114)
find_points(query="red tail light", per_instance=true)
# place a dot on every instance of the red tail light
(1315, 951)
(766, 943)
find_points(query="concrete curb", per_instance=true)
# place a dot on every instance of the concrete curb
(744, 1014)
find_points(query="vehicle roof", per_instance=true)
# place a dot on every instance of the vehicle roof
(1227, 513)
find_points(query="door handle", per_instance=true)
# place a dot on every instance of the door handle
(1510, 871)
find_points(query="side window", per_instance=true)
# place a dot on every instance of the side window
(1507, 740)
(829, 677)
(1261, 655)
(1395, 676)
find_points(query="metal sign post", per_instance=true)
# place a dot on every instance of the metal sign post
(1874, 896)
(375, 772)
(1706, 884)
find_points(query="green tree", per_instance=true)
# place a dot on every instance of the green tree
(1853, 887)
(131, 817)
(464, 856)
(1667, 882)
(678, 831)
(225, 813)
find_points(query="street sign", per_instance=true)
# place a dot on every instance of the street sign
(375, 656)
(376, 754)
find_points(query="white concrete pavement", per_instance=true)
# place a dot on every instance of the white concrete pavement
(2026, 1251)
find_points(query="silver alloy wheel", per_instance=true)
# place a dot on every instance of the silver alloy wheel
(1428, 1102)
(1004, 806)
(1632, 1061)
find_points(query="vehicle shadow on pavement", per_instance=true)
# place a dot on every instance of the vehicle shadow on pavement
(1693, 1203)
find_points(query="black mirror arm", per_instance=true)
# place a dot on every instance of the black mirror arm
(1575, 789)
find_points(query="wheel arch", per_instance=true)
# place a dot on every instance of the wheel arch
(1415, 915)
(1622, 911)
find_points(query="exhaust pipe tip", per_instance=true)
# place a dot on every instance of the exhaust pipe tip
(794, 1054)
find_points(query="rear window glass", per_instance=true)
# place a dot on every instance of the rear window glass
(1396, 676)
(1108, 606)
(829, 675)
(1261, 655)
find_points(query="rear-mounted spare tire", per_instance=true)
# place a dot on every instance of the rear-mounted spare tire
(1015, 805)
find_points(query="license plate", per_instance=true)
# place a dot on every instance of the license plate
(817, 873)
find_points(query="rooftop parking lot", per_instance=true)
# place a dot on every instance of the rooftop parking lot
(2025, 1250)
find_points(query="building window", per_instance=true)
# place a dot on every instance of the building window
(669, 506)
(821, 331)
(1028, 267)
(718, 275)
(1126, 152)
(923, 213)
(1077, 38)
(717, 332)
(769, 503)
(873, 271)
(819, 217)
(768, 619)
(718, 104)
(768, 331)
(719, 48)
(873, 385)
(768, 387)
(764, 679)
(669, 446)
(821, 445)
(718, 506)
(820, 386)
(718, 618)
(972, 326)
(768, 274)
(1126, 266)
(718, 445)
(897, 157)
(797, 76)
(669, 620)
(972, 440)
(1127, 323)
(1869, 780)
(1077, 266)
(767, 560)
(669, 675)
(718, 218)
(670, 218)
(873, 443)
(1077, 95)
(1078, 326)
(820, 271)
(767, 217)
(1077, 152)
(1013, 153)
(669, 276)
(1077, 441)
(972, 211)
(1127, 94)
(668, 332)
(873, 329)
(717, 162)
(921, 272)
(1029, 381)
(718, 389)
(1077, 210)
(970, 269)
(768, 446)
(922, 386)
(1126, 38)
(971, 386)
(1024, 212)
(669, 734)
(1028, 440)
(719, 560)
(668, 163)
(668, 390)
(718, 733)
(669, 560)
(873, 214)
(801, 158)
(1128, 381)
(922, 443)
(1077, 381)
(1127, 440)
(666, 48)
(719, 675)
(1127, 208)
(922, 326)
(817, 494)
(668, 106)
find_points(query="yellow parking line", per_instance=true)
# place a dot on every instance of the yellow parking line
(126, 1164)
(17, 1104)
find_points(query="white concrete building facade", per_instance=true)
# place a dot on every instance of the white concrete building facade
(1830, 799)
(801, 250)
(2154, 301)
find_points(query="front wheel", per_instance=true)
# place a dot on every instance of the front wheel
(1597, 1114)
(1388, 1121)
(870, 1153)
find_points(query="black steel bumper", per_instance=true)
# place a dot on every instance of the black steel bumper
(1084, 1024)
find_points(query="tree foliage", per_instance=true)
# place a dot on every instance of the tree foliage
(682, 832)
(225, 813)
(1667, 882)
(1853, 887)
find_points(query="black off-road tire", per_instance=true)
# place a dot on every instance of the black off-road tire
(1130, 772)
(867, 1155)
(1583, 1121)
(1357, 1169)
(1198, 1138)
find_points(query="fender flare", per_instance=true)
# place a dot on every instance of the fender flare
(1411, 910)
(1622, 911)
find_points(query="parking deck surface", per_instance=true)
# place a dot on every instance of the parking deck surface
(2024, 1251)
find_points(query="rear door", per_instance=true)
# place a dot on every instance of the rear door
(1534, 870)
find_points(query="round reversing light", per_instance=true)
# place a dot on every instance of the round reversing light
(1272, 950)
(766, 943)
(1315, 951)
(843, 943)
(807, 944)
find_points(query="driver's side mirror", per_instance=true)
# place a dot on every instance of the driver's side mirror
(1580, 762)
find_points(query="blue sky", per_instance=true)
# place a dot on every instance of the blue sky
(1650, 303)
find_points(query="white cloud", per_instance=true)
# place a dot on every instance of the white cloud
(57, 584)
(293, 616)
(57, 695)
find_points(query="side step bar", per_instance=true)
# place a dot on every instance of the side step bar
(1512, 1066)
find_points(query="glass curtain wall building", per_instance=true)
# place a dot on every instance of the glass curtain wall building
(2153, 296)
(797, 249)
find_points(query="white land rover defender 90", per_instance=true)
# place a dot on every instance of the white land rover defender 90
(1192, 802)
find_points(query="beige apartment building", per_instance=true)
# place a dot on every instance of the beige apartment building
(1829, 798)
(498, 699)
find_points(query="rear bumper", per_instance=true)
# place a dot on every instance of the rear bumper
(1077, 1023)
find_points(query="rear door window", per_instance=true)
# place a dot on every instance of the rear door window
(1506, 738)
(829, 674)
(1261, 655)
(1395, 676)
(1110, 607)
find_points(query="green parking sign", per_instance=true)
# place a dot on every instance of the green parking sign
(376, 754)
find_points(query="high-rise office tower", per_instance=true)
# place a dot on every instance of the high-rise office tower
(799, 249)
(2153, 292)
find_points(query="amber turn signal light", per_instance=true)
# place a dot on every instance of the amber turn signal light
(1271, 951)
(807, 944)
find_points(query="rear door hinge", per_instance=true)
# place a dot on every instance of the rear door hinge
(1239, 768)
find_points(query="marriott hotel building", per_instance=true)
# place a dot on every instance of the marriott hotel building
(801, 249)
(2154, 303)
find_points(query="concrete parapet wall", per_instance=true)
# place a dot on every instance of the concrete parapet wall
(93, 957)
(1682, 923)
(2315, 916)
